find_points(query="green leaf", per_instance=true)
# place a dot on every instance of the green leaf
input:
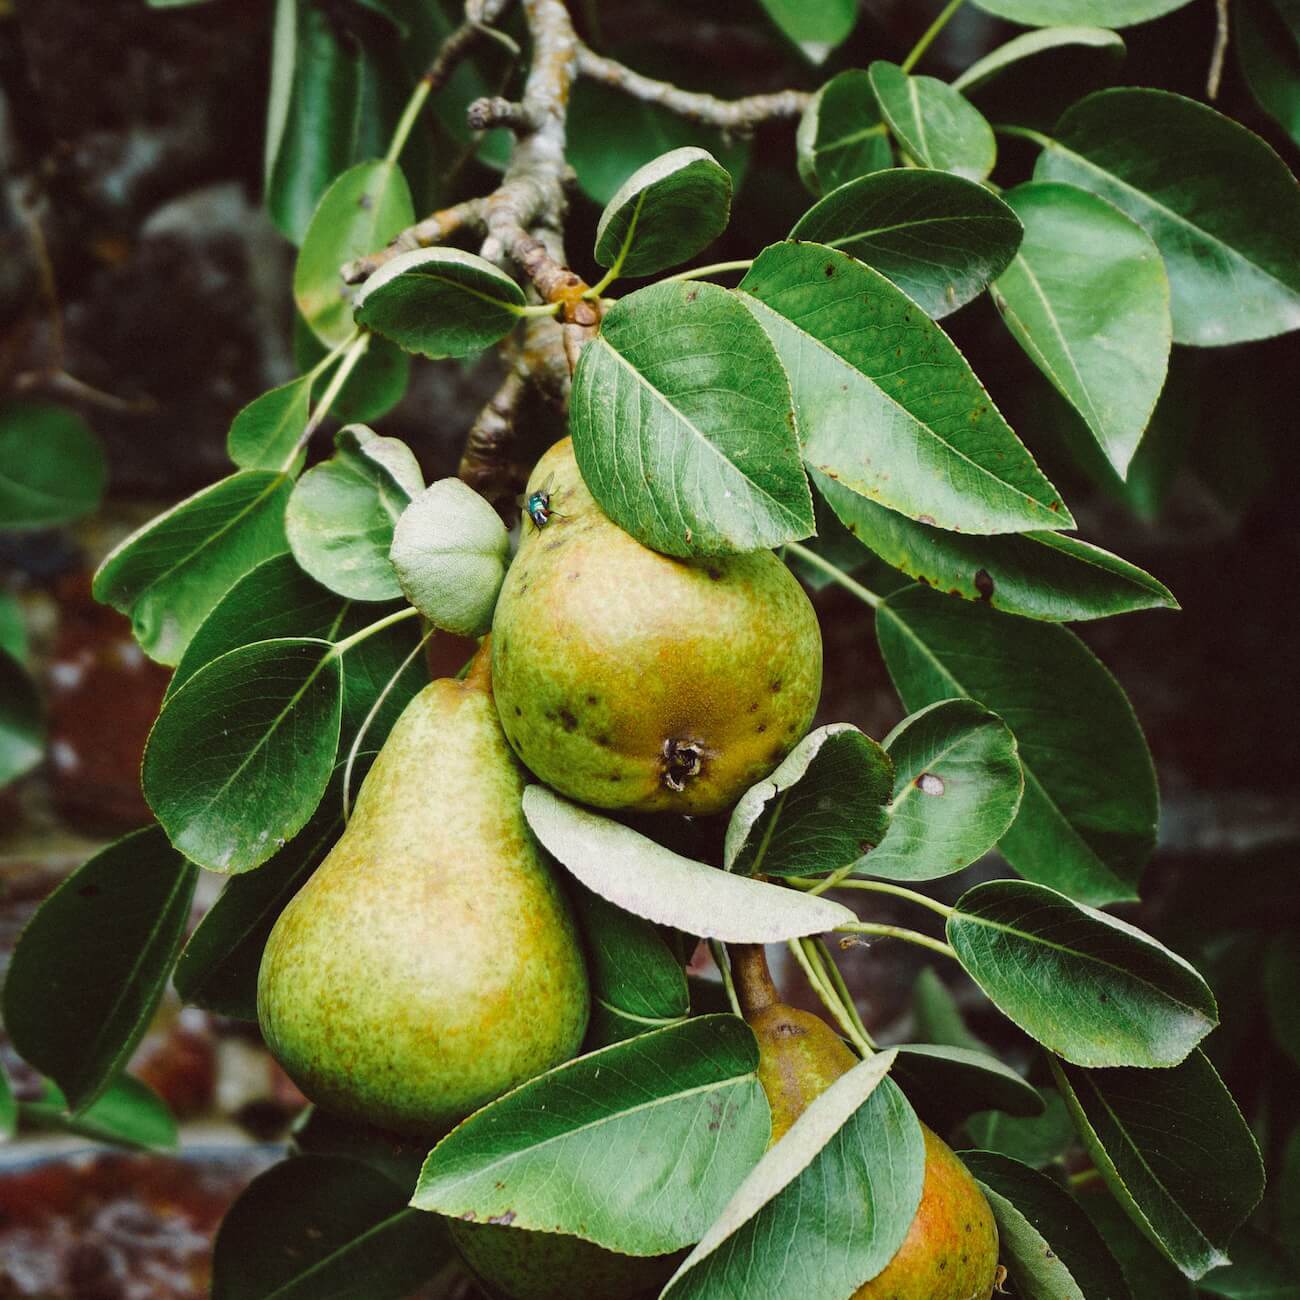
(377, 382)
(1088, 986)
(933, 123)
(240, 756)
(1221, 206)
(397, 1156)
(1175, 1152)
(841, 134)
(1039, 1141)
(1268, 49)
(1104, 13)
(52, 468)
(317, 1226)
(450, 552)
(1050, 1247)
(1087, 821)
(359, 213)
(128, 1113)
(636, 982)
(826, 805)
(940, 238)
(937, 1016)
(947, 1084)
(683, 427)
(22, 722)
(341, 515)
(13, 628)
(957, 788)
(217, 968)
(1087, 298)
(168, 575)
(1281, 980)
(91, 965)
(815, 28)
(937, 448)
(1146, 1270)
(636, 1147)
(440, 302)
(1039, 574)
(267, 430)
(8, 1106)
(646, 879)
(664, 213)
(1259, 1271)
(1036, 75)
(1288, 1191)
(826, 1208)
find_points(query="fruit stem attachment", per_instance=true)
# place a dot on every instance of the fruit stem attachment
(835, 573)
(836, 881)
(754, 985)
(810, 961)
(722, 960)
(478, 672)
(927, 36)
(897, 932)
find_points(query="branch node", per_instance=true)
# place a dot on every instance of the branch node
(492, 110)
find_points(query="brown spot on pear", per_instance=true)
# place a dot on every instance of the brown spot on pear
(430, 963)
(674, 652)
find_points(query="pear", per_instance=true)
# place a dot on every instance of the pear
(951, 1249)
(632, 680)
(516, 1264)
(430, 963)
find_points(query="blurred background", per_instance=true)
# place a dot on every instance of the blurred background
(144, 298)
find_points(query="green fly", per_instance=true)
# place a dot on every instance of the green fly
(538, 506)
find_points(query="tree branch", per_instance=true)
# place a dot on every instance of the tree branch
(1220, 51)
(435, 229)
(728, 114)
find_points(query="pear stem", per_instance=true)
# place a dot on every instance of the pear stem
(478, 672)
(754, 986)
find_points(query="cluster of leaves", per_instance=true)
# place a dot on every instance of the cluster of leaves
(820, 396)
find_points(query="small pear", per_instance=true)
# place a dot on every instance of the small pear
(632, 680)
(430, 963)
(951, 1249)
(516, 1264)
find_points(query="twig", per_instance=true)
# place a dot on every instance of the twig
(492, 110)
(727, 114)
(1220, 52)
(484, 464)
(435, 229)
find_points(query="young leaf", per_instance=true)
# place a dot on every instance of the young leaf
(648, 880)
(1221, 206)
(450, 552)
(826, 805)
(1105, 13)
(1088, 986)
(940, 238)
(1038, 1141)
(440, 302)
(1268, 48)
(168, 575)
(636, 1147)
(1042, 575)
(947, 1084)
(689, 447)
(957, 788)
(816, 29)
(127, 1113)
(317, 1226)
(826, 1208)
(22, 725)
(360, 212)
(664, 213)
(52, 468)
(92, 963)
(1175, 1152)
(636, 982)
(938, 448)
(841, 134)
(341, 515)
(266, 431)
(239, 757)
(1049, 1245)
(1087, 298)
(934, 123)
(1087, 820)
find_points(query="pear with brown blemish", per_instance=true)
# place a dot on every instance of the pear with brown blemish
(430, 963)
(633, 680)
(951, 1249)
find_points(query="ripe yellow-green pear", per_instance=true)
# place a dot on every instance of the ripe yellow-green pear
(951, 1249)
(430, 963)
(632, 680)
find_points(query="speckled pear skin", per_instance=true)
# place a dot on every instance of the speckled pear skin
(430, 963)
(632, 680)
(517, 1264)
(951, 1250)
